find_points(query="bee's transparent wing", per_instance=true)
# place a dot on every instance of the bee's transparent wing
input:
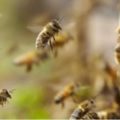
(34, 28)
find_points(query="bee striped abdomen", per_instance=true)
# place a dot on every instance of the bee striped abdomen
(78, 114)
(47, 33)
(67, 92)
(91, 116)
(62, 96)
(82, 110)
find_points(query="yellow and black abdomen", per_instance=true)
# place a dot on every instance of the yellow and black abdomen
(47, 33)
(78, 114)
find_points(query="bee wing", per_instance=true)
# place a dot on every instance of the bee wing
(34, 28)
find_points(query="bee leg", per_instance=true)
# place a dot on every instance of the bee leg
(54, 39)
(55, 50)
(29, 68)
(50, 43)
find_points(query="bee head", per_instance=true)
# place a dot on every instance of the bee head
(88, 104)
(56, 24)
(5, 92)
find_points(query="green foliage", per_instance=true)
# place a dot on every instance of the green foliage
(28, 103)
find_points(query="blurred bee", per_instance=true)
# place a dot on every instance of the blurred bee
(109, 114)
(82, 109)
(117, 53)
(91, 116)
(47, 34)
(111, 72)
(30, 58)
(116, 93)
(68, 91)
(4, 95)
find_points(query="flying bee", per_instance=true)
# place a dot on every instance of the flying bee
(82, 110)
(116, 92)
(109, 114)
(110, 71)
(68, 91)
(4, 95)
(91, 116)
(47, 34)
(30, 58)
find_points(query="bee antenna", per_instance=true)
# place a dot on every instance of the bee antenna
(60, 19)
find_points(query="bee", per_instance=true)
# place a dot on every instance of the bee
(91, 116)
(112, 72)
(117, 53)
(116, 93)
(68, 91)
(47, 34)
(30, 58)
(4, 95)
(82, 109)
(109, 114)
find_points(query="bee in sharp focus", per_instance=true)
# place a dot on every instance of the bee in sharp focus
(47, 34)
(82, 109)
(30, 58)
(4, 95)
(68, 91)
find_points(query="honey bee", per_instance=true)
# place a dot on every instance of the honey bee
(30, 58)
(91, 116)
(4, 95)
(47, 34)
(82, 110)
(112, 72)
(109, 114)
(68, 91)
(116, 93)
